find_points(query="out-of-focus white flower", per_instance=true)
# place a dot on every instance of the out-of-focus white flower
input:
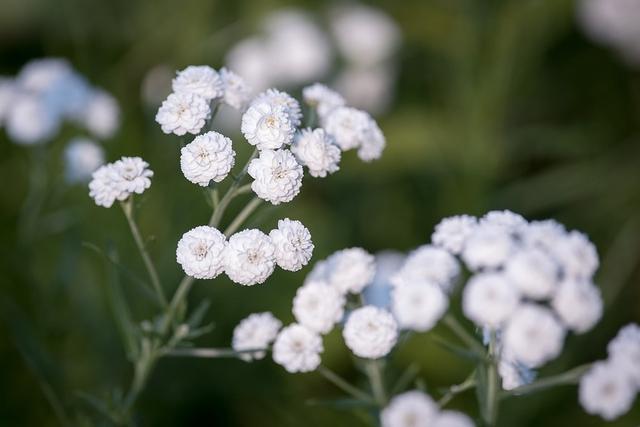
(451, 233)
(156, 85)
(209, 157)
(298, 349)
(370, 332)
(283, 99)
(322, 98)
(418, 306)
(255, 332)
(318, 306)
(236, 90)
(577, 256)
(293, 244)
(277, 176)
(533, 336)
(200, 252)
(349, 270)
(452, 419)
(489, 246)
(251, 59)
(317, 150)
(200, 80)
(410, 409)
(39, 75)
(510, 222)
(373, 143)
(368, 88)
(183, 112)
(489, 299)
(117, 181)
(7, 94)
(101, 116)
(366, 36)
(428, 264)
(606, 390)
(267, 126)
(534, 273)
(249, 257)
(348, 126)
(82, 157)
(30, 121)
(378, 292)
(543, 234)
(578, 304)
(624, 351)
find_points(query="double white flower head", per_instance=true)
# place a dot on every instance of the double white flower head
(119, 180)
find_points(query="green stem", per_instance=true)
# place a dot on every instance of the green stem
(454, 390)
(127, 208)
(569, 377)
(493, 383)
(242, 216)
(343, 384)
(178, 298)
(462, 333)
(210, 353)
(374, 372)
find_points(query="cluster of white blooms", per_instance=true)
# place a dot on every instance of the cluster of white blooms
(119, 180)
(610, 387)
(255, 332)
(318, 306)
(82, 157)
(47, 93)
(209, 157)
(417, 409)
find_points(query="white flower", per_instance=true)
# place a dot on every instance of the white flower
(428, 264)
(183, 112)
(277, 176)
(82, 157)
(510, 222)
(209, 157)
(101, 115)
(489, 246)
(316, 150)
(624, 350)
(103, 187)
(323, 99)
(489, 299)
(378, 292)
(236, 90)
(370, 89)
(39, 75)
(606, 390)
(200, 80)
(418, 306)
(293, 244)
(277, 98)
(348, 126)
(132, 176)
(533, 272)
(200, 252)
(251, 59)
(31, 121)
(249, 257)
(533, 336)
(350, 270)
(578, 304)
(453, 419)
(370, 332)
(451, 233)
(267, 126)
(576, 255)
(297, 349)
(318, 306)
(410, 409)
(255, 332)
(373, 143)
(543, 234)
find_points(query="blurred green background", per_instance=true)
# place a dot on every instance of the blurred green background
(498, 104)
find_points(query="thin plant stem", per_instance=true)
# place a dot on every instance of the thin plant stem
(127, 208)
(405, 379)
(569, 377)
(343, 384)
(374, 372)
(181, 293)
(455, 326)
(242, 216)
(210, 353)
(454, 390)
(493, 386)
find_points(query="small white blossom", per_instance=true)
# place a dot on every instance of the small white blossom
(543, 234)
(293, 244)
(103, 187)
(510, 222)
(428, 264)
(606, 390)
(30, 121)
(350, 270)
(577, 256)
(82, 157)
(451, 233)
(348, 126)
(370, 332)
(489, 246)
(418, 306)
(533, 335)
(39, 75)
(267, 126)
(117, 181)
(278, 98)
(236, 90)
(624, 350)
(200, 252)
(297, 349)
(277, 176)
(410, 409)
(101, 115)
(578, 304)
(200, 80)
(452, 419)
(489, 299)
(183, 112)
(317, 150)
(318, 306)
(209, 157)
(373, 143)
(323, 99)
(534, 272)
(249, 257)
(255, 332)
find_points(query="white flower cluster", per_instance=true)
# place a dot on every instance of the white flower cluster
(417, 409)
(256, 332)
(248, 257)
(46, 93)
(119, 180)
(610, 387)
